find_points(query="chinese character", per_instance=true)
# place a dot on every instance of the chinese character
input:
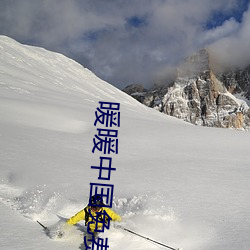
(98, 242)
(106, 144)
(101, 220)
(101, 168)
(97, 189)
(111, 117)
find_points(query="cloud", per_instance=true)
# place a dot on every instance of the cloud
(121, 41)
(232, 50)
(228, 28)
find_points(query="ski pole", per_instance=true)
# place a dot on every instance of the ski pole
(45, 228)
(150, 239)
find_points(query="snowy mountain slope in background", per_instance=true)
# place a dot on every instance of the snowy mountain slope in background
(182, 185)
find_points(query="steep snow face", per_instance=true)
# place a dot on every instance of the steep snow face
(36, 74)
(179, 184)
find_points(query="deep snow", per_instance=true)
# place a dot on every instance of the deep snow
(183, 185)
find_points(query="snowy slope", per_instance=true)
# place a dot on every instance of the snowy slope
(182, 185)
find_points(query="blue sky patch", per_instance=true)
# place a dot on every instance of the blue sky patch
(219, 17)
(136, 21)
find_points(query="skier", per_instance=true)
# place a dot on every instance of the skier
(95, 215)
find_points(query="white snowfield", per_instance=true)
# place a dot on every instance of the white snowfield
(182, 185)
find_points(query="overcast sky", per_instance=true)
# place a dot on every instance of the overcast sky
(131, 41)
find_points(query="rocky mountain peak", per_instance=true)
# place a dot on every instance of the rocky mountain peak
(200, 96)
(196, 64)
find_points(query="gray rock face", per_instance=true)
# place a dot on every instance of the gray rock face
(200, 97)
(137, 91)
(237, 81)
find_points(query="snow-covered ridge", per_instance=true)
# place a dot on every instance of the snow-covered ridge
(33, 74)
(24, 69)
